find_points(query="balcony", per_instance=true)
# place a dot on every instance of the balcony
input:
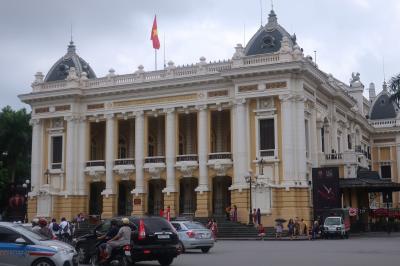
(154, 165)
(267, 155)
(186, 164)
(220, 162)
(331, 159)
(95, 169)
(124, 167)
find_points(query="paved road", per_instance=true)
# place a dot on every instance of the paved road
(374, 251)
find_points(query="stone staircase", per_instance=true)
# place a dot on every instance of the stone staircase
(235, 230)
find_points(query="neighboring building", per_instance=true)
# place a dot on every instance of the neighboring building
(187, 136)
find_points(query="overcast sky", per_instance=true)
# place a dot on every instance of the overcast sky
(348, 35)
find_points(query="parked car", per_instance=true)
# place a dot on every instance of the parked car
(193, 235)
(21, 246)
(153, 238)
(336, 226)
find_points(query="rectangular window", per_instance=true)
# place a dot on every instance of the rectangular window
(322, 139)
(349, 142)
(56, 148)
(267, 137)
(386, 171)
(307, 138)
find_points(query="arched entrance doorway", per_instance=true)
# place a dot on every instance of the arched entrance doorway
(125, 197)
(187, 195)
(95, 198)
(221, 194)
(155, 196)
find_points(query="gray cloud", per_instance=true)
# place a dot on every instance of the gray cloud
(349, 35)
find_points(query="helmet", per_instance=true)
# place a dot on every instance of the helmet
(42, 222)
(35, 221)
(125, 220)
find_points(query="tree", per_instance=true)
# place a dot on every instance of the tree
(15, 150)
(394, 86)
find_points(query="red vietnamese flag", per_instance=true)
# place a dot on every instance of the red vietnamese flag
(154, 35)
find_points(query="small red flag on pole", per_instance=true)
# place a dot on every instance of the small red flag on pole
(154, 34)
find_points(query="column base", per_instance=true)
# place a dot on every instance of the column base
(139, 205)
(171, 200)
(203, 204)
(31, 208)
(109, 206)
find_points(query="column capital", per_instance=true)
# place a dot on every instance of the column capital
(169, 110)
(239, 101)
(83, 119)
(286, 97)
(138, 113)
(201, 107)
(35, 121)
(109, 116)
(71, 118)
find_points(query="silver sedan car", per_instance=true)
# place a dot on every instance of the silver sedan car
(193, 235)
(20, 246)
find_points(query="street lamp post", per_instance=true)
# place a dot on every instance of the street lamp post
(387, 211)
(249, 179)
(26, 190)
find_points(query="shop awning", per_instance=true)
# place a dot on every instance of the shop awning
(371, 181)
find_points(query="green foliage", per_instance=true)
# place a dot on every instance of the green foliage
(394, 86)
(15, 149)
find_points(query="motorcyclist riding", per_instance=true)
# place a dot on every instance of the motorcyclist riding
(122, 238)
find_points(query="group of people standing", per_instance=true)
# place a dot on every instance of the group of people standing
(231, 213)
(297, 228)
(53, 230)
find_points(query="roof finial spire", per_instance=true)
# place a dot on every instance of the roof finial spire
(71, 42)
(272, 4)
(71, 46)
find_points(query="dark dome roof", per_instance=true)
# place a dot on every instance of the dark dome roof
(59, 71)
(383, 107)
(268, 38)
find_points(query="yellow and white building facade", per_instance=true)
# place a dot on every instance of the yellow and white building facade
(188, 136)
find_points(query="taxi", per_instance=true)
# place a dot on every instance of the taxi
(20, 246)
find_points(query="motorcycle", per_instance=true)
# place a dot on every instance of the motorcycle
(120, 256)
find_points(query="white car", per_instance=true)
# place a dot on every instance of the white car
(193, 235)
(335, 226)
(20, 246)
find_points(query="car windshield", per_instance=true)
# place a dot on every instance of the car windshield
(194, 225)
(332, 221)
(29, 234)
(156, 224)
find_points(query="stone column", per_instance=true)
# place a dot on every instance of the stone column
(82, 155)
(139, 152)
(241, 156)
(202, 134)
(110, 154)
(70, 161)
(301, 140)
(314, 136)
(37, 148)
(170, 149)
(287, 137)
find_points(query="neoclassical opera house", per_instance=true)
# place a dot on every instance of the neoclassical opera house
(189, 137)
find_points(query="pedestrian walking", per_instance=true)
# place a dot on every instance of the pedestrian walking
(234, 213)
(214, 229)
(161, 212)
(55, 227)
(296, 227)
(258, 214)
(278, 230)
(65, 230)
(168, 213)
(302, 227)
(291, 228)
(228, 213)
(315, 230)
(254, 216)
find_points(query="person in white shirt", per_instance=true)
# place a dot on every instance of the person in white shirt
(65, 229)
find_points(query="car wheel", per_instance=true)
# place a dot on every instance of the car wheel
(43, 262)
(181, 247)
(166, 261)
(205, 250)
(82, 257)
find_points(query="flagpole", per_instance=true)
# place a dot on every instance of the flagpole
(155, 59)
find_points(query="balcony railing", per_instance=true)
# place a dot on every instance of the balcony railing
(267, 153)
(220, 155)
(155, 159)
(125, 161)
(187, 157)
(56, 166)
(95, 163)
(334, 156)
